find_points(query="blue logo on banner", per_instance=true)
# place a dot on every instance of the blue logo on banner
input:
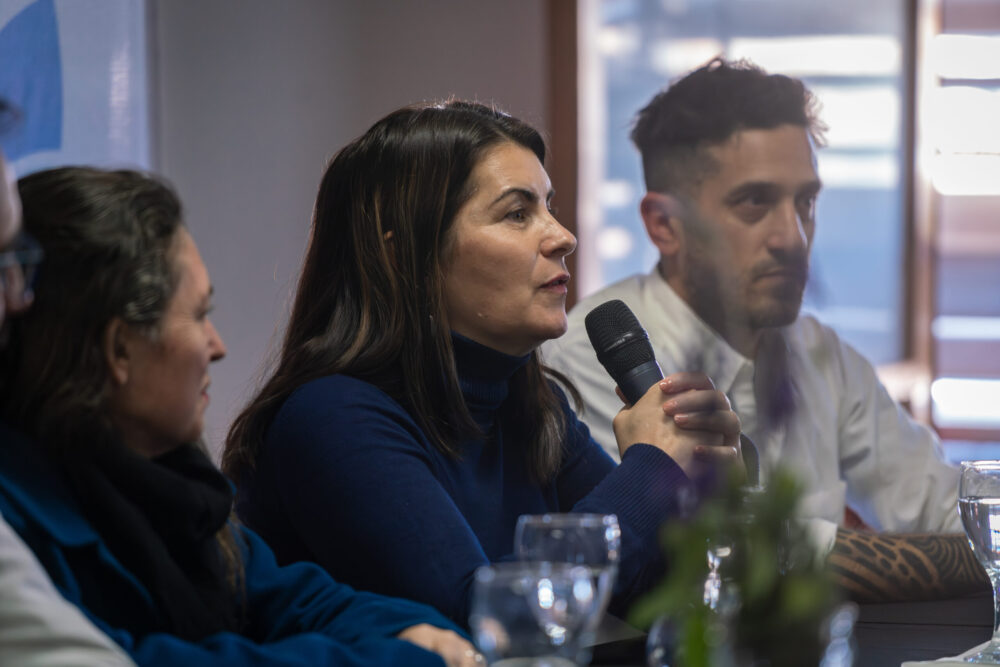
(31, 79)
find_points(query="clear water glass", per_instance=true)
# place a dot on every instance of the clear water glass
(979, 507)
(590, 540)
(532, 614)
(713, 596)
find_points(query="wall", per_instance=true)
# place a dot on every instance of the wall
(254, 96)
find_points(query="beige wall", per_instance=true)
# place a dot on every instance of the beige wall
(254, 96)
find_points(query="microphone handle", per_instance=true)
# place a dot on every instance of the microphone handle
(637, 381)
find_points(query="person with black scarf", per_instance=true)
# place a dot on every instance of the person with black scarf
(102, 471)
(38, 626)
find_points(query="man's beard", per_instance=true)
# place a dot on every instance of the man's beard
(779, 310)
(733, 307)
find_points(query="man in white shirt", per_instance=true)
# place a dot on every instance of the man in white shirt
(38, 627)
(729, 160)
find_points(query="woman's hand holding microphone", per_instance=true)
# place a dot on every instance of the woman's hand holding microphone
(688, 418)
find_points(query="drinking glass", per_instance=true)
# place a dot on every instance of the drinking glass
(532, 614)
(979, 507)
(592, 541)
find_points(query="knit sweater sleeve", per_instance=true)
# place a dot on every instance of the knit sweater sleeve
(355, 479)
(297, 615)
(644, 491)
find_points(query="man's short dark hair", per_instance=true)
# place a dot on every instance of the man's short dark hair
(708, 106)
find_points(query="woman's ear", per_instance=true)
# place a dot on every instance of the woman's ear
(116, 350)
(661, 215)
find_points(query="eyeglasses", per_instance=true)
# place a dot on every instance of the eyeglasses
(23, 253)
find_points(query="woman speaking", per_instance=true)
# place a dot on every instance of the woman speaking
(105, 384)
(409, 420)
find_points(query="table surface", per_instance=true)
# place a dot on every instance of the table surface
(888, 634)
(885, 634)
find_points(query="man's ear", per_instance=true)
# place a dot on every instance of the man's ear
(116, 350)
(661, 215)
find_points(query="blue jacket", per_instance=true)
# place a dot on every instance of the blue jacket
(295, 615)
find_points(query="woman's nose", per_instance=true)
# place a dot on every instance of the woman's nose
(216, 345)
(558, 240)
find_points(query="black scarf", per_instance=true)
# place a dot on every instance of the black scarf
(159, 517)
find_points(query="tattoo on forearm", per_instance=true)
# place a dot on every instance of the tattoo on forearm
(882, 568)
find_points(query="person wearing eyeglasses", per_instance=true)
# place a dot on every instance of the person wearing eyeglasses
(37, 625)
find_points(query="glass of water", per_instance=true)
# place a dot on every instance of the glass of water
(532, 614)
(979, 506)
(592, 541)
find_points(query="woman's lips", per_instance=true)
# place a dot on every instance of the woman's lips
(557, 284)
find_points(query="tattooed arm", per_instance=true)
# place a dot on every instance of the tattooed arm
(874, 567)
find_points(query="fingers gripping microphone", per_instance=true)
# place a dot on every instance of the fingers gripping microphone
(623, 348)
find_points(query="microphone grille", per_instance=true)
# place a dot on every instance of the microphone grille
(620, 341)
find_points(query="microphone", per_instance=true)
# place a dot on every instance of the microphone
(623, 348)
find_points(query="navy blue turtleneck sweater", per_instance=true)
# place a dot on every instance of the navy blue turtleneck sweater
(347, 479)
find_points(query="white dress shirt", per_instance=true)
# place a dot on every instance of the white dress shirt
(847, 441)
(38, 627)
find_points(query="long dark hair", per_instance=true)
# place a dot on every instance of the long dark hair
(109, 240)
(369, 301)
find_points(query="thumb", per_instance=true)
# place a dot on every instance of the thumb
(618, 390)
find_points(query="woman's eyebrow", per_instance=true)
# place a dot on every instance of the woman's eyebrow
(527, 194)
